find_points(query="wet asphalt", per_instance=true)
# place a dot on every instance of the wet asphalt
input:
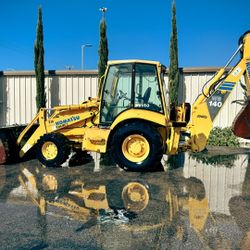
(198, 201)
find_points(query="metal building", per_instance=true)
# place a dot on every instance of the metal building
(18, 92)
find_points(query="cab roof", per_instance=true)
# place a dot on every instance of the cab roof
(134, 61)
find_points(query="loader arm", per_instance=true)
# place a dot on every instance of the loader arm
(70, 119)
(214, 94)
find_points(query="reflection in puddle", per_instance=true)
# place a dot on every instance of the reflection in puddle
(2, 177)
(221, 182)
(225, 160)
(194, 205)
(80, 201)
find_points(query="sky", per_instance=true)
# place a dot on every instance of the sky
(208, 31)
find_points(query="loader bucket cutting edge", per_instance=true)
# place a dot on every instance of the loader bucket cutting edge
(241, 123)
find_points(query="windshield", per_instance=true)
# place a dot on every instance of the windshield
(148, 95)
(117, 92)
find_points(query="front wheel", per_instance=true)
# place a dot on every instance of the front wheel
(53, 149)
(137, 146)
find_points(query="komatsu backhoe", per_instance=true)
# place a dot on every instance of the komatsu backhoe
(132, 118)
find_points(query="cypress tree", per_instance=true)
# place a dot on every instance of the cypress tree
(39, 63)
(173, 68)
(103, 49)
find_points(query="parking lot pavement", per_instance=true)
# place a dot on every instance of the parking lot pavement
(197, 202)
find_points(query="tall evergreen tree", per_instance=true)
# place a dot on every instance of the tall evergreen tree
(39, 63)
(103, 49)
(173, 68)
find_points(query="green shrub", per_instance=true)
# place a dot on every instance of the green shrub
(223, 137)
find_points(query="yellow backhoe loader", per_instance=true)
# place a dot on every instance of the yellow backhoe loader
(131, 116)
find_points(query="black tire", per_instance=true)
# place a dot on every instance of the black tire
(242, 37)
(62, 145)
(151, 135)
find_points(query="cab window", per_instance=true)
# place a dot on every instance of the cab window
(148, 95)
(116, 96)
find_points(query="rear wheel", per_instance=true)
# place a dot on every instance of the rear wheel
(137, 146)
(52, 150)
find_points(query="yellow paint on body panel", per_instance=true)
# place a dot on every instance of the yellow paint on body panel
(140, 114)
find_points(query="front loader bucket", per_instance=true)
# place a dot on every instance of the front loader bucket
(9, 150)
(241, 123)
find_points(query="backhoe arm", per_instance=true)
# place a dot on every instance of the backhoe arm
(207, 106)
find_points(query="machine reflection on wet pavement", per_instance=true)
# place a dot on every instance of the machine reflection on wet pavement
(195, 203)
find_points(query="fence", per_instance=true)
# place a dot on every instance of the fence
(18, 92)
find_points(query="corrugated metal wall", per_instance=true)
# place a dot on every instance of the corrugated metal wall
(18, 93)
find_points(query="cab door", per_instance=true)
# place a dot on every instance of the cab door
(147, 89)
(117, 92)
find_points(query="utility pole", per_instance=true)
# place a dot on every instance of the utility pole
(82, 50)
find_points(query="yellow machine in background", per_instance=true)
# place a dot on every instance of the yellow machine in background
(131, 116)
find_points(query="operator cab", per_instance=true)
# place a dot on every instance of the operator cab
(131, 85)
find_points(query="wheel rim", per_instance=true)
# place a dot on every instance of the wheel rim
(49, 150)
(49, 183)
(135, 148)
(135, 196)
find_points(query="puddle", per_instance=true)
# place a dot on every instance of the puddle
(193, 202)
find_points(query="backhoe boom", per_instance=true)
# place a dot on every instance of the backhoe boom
(215, 93)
